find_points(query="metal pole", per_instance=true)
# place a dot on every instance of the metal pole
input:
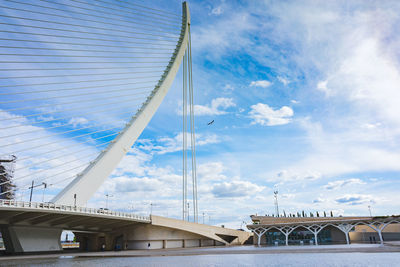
(30, 198)
(75, 200)
(44, 188)
(184, 142)
(107, 196)
(276, 203)
(203, 217)
(192, 132)
(188, 213)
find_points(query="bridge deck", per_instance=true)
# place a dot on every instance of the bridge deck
(65, 217)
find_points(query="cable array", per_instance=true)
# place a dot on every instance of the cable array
(72, 75)
(188, 95)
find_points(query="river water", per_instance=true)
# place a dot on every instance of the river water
(280, 259)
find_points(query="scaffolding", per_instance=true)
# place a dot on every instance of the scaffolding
(7, 187)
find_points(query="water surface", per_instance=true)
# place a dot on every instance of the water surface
(285, 259)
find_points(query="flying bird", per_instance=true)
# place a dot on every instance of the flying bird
(211, 122)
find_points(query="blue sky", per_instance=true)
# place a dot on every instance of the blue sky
(305, 99)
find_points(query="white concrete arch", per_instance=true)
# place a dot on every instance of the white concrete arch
(81, 189)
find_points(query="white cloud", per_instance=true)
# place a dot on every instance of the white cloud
(323, 87)
(131, 184)
(217, 10)
(288, 196)
(341, 183)
(133, 163)
(78, 121)
(224, 35)
(228, 87)
(283, 80)
(165, 145)
(318, 200)
(261, 83)
(211, 171)
(294, 101)
(235, 189)
(355, 199)
(371, 126)
(265, 115)
(218, 106)
(292, 175)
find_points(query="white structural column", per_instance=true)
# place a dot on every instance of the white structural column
(345, 228)
(315, 229)
(81, 189)
(259, 232)
(287, 231)
(379, 227)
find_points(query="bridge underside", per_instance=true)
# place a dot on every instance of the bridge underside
(38, 229)
(29, 231)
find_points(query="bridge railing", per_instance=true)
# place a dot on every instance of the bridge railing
(57, 207)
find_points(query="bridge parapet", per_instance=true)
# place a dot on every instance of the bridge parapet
(11, 204)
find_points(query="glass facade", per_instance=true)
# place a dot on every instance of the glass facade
(298, 237)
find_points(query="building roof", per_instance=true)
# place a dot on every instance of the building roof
(282, 221)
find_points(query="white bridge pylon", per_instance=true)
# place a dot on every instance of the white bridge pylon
(82, 188)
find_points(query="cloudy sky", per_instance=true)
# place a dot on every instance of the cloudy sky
(305, 98)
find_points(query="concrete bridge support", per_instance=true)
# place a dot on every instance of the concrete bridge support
(20, 239)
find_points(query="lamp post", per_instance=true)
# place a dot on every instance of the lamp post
(151, 207)
(33, 186)
(276, 203)
(107, 196)
(188, 211)
(44, 188)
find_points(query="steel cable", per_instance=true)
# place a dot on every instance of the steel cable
(88, 45)
(88, 38)
(55, 142)
(48, 160)
(166, 30)
(67, 117)
(52, 127)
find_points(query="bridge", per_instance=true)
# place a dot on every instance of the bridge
(79, 82)
(32, 226)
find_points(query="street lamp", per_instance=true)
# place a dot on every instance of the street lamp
(33, 186)
(188, 211)
(107, 196)
(44, 188)
(241, 225)
(151, 207)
